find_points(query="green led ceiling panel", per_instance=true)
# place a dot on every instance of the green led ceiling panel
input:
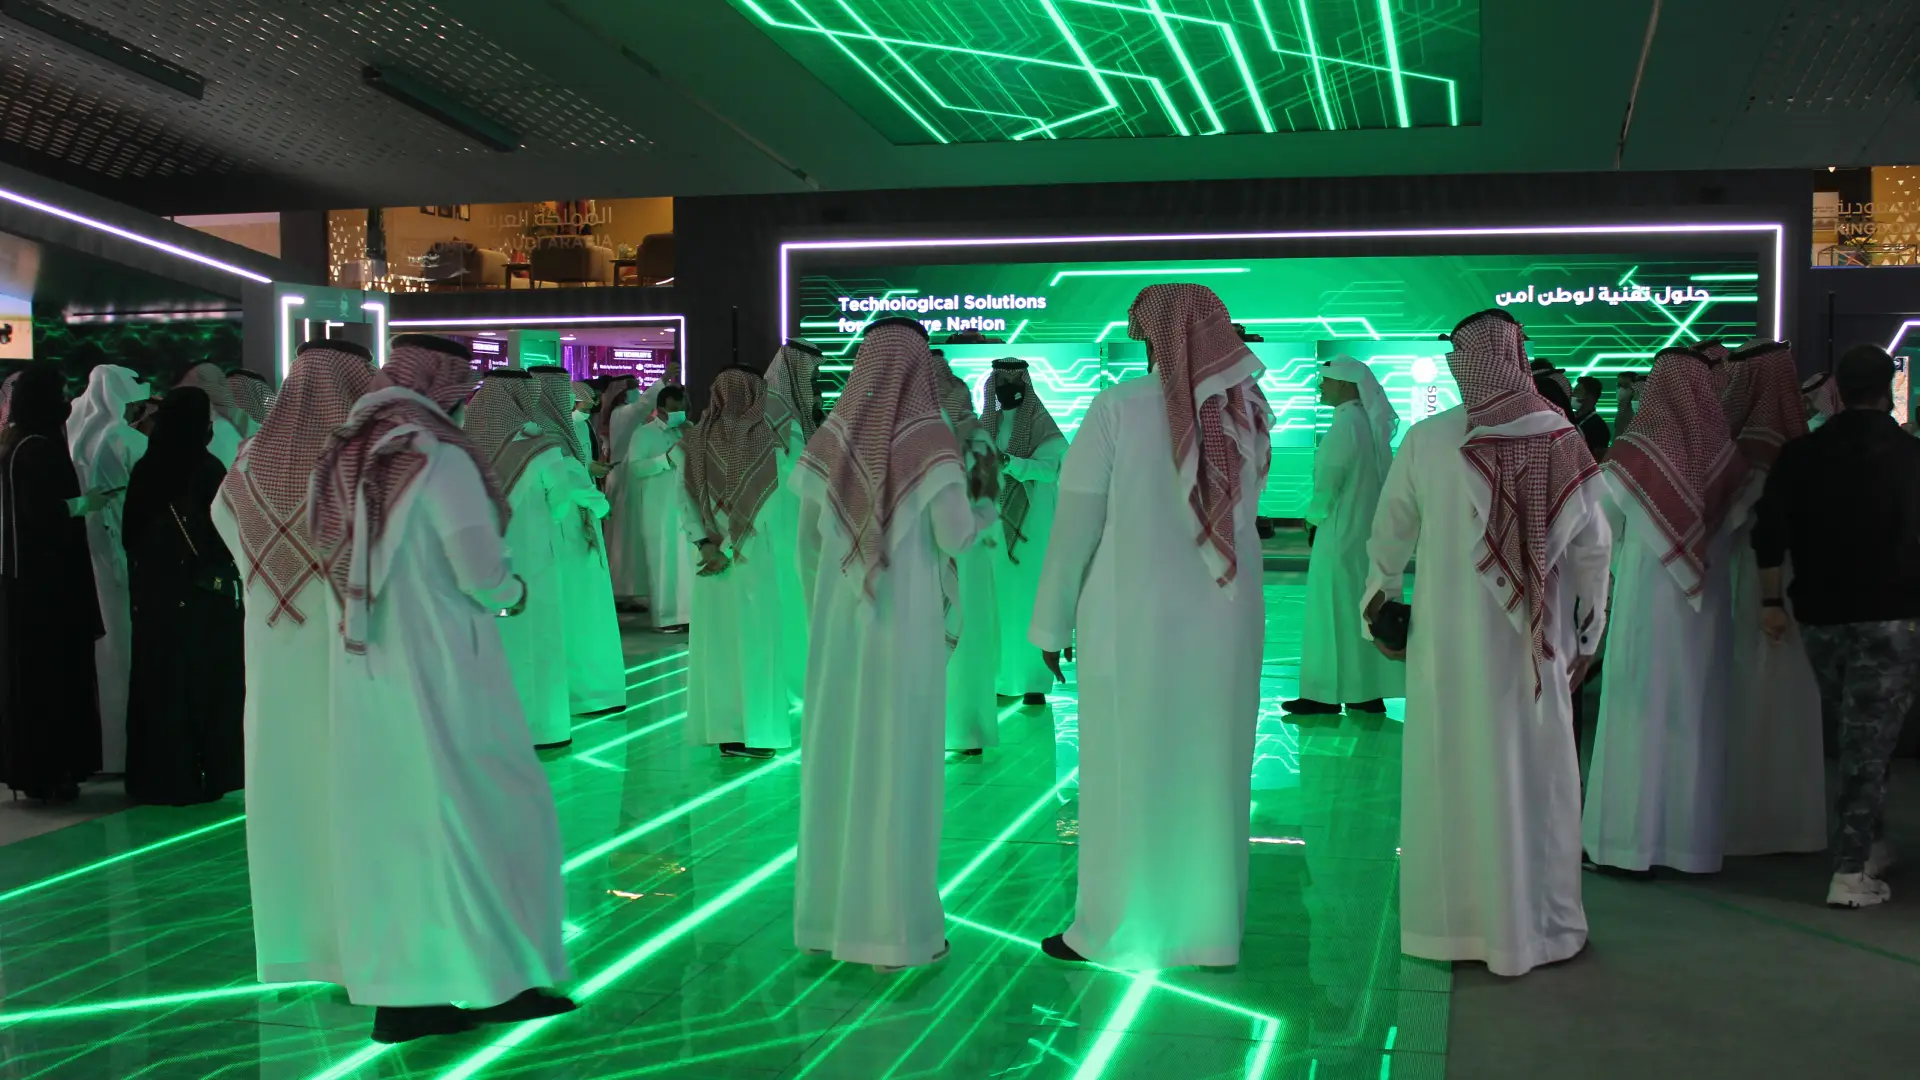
(948, 71)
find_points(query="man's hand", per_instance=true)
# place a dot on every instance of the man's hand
(1577, 676)
(519, 605)
(1053, 663)
(983, 478)
(598, 469)
(1774, 622)
(712, 559)
(1373, 608)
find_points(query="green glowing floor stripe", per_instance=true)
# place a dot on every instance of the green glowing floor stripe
(1006, 834)
(190, 997)
(120, 858)
(612, 973)
(622, 740)
(665, 817)
(351, 1064)
(669, 658)
(1096, 1062)
(656, 678)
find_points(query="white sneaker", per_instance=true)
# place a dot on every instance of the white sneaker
(1857, 891)
(1881, 859)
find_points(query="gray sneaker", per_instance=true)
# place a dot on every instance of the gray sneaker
(1857, 891)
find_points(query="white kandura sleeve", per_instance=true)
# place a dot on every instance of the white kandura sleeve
(1079, 521)
(468, 525)
(573, 487)
(956, 522)
(1333, 463)
(807, 551)
(1043, 467)
(1589, 555)
(1396, 533)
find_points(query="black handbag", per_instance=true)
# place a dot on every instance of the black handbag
(1390, 623)
(202, 574)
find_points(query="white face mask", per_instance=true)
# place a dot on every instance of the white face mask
(675, 419)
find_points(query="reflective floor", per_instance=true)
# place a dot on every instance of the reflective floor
(126, 947)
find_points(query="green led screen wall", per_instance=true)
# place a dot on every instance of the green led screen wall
(1597, 314)
(947, 71)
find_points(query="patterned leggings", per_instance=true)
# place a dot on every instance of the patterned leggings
(1867, 678)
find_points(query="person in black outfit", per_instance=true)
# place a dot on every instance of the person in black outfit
(1845, 502)
(49, 614)
(1586, 416)
(184, 738)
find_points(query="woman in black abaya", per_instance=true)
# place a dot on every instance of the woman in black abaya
(184, 740)
(49, 614)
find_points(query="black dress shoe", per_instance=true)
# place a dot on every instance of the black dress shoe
(1308, 707)
(975, 752)
(676, 628)
(1034, 699)
(1057, 947)
(392, 1024)
(734, 749)
(561, 745)
(1377, 706)
(527, 1005)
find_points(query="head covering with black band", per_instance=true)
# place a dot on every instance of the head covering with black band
(1033, 427)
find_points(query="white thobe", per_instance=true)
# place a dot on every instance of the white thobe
(780, 520)
(1338, 665)
(534, 641)
(227, 437)
(289, 731)
(736, 671)
(657, 559)
(1776, 764)
(596, 665)
(1656, 791)
(1490, 784)
(1016, 569)
(973, 711)
(446, 845)
(111, 465)
(1169, 691)
(626, 549)
(582, 432)
(871, 783)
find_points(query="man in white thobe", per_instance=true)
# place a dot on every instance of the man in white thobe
(1169, 632)
(1656, 790)
(261, 514)
(533, 470)
(793, 408)
(973, 710)
(446, 845)
(885, 505)
(1776, 765)
(1337, 665)
(658, 557)
(1031, 447)
(1499, 500)
(105, 448)
(737, 695)
(596, 664)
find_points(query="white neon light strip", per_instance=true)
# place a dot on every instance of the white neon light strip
(287, 346)
(379, 331)
(679, 321)
(1777, 230)
(1900, 335)
(145, 241)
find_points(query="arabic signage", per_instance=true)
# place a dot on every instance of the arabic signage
(1665, 296)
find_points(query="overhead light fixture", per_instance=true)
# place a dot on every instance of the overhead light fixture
(489, 333)
(416, 94)
(569, 337)
(101, 45)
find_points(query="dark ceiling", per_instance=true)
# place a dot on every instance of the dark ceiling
(687, 97)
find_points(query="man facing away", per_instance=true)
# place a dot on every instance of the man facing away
(1336, 663)
(885, 505)
(736, 679)
(1844, 502)
(972, 707)
(446, 845)
(1499, 500)
(1155, 562)
(596, 666)
(1031, 448)
(1656, 788)
(261, 514)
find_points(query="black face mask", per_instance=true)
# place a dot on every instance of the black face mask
(1010, 395)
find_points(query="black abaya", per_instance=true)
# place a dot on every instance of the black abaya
(49, 620)
(188, 687)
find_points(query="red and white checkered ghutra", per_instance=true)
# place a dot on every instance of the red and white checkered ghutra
(730, 464)
(1680, 464)
(1529, 477)
(500, 414)
(267, 487)
(1214, 407)
(1762, 401)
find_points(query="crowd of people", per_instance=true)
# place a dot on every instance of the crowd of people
(371, 598)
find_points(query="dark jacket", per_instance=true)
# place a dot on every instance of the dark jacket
(1845, 502)
(1594, 429)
